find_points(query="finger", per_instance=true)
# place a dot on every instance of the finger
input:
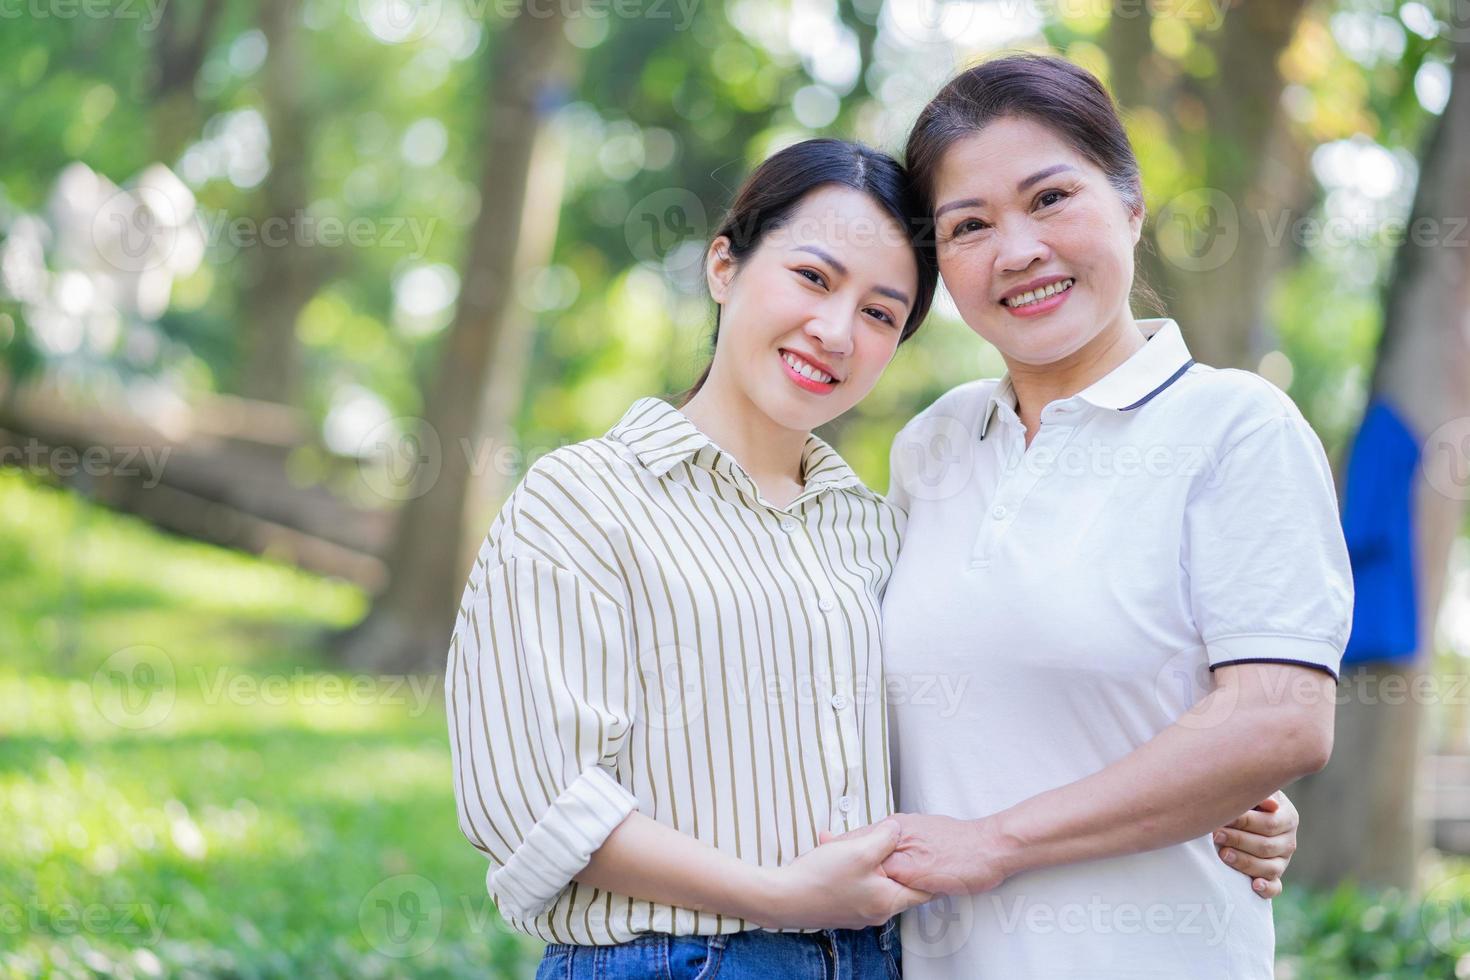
(1266, 888)
(828, 837)
(1253, 844)
(1254, 867)
(901, 867)
(1260, 822)
(905, 897)
(878, 839)
(1270, 804)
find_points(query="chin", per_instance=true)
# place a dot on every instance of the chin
(1046, 343)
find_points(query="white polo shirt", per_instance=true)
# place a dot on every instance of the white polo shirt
(1055, 607)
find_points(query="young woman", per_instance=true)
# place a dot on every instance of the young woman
(665, 681)
(1176, 523)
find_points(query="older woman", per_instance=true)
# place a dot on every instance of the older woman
(1135, 557)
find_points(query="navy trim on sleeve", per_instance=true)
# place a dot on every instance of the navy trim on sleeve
(1278, 660)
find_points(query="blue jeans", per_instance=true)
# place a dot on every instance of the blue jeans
(834, 954)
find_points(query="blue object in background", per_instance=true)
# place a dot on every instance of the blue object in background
(1378, 522)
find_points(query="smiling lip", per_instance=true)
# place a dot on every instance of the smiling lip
(1043, 306)
(809, 384)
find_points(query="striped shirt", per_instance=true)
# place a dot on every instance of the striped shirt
(642, 630)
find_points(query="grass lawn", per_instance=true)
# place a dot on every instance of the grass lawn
(188, 789)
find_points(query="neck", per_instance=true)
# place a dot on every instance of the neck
(1038, 385)
(770, 453)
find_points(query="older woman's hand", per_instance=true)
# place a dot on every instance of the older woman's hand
(942, 855)
(1260, 842)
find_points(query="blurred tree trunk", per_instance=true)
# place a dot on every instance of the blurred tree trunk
(410, 623)
(1358, 814)
(1214, 279)
(283, 271)
(182, 41)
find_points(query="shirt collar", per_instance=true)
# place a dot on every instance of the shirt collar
(1153, 367)
(662, 437)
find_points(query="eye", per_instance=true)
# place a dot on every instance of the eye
(967, 226)
(1049, 197)
(880, 314)
(812, 275)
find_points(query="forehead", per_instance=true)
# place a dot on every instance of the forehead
(847, 223)
(1004, 152)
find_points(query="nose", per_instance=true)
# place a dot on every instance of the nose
(833, 333)
(1020, 248)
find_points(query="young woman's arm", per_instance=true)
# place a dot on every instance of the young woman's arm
(540, 697)
(1260, 842)
(838, 886)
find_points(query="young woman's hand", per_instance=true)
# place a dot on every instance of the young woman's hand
(841, 884)
(1260, 843)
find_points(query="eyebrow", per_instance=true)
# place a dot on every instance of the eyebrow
(973, 202)
(831, 260)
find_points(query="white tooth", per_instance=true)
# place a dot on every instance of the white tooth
(806, 371)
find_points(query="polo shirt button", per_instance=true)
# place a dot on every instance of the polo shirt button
(839, 701)
(788, 526)
(844, 804)
(826, 605)
(998, 512)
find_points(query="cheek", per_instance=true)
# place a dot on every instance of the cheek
(966, 274)
(872, 351)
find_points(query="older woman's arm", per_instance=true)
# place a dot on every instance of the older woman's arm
(1262, 726)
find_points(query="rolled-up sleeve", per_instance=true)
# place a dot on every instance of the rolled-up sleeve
(1268, 572)
(539, 708)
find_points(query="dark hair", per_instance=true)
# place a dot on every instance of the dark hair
(1051, 91)
(774, 190)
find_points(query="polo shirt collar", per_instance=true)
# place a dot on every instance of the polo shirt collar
(662, 437)
(1153, 367)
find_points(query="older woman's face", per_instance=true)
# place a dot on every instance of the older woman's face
(1035, 245)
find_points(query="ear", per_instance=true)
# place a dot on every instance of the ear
(1135, 223)
(719, 268)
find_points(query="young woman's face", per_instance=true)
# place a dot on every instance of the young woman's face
(1019, 212)
(809, 320)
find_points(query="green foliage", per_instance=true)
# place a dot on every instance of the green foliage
(254, 827)
(1354, 935)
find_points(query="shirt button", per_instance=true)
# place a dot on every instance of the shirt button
(788, 526)
(826, 605)
(998, 512)
(844, 804)
(839, 701)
